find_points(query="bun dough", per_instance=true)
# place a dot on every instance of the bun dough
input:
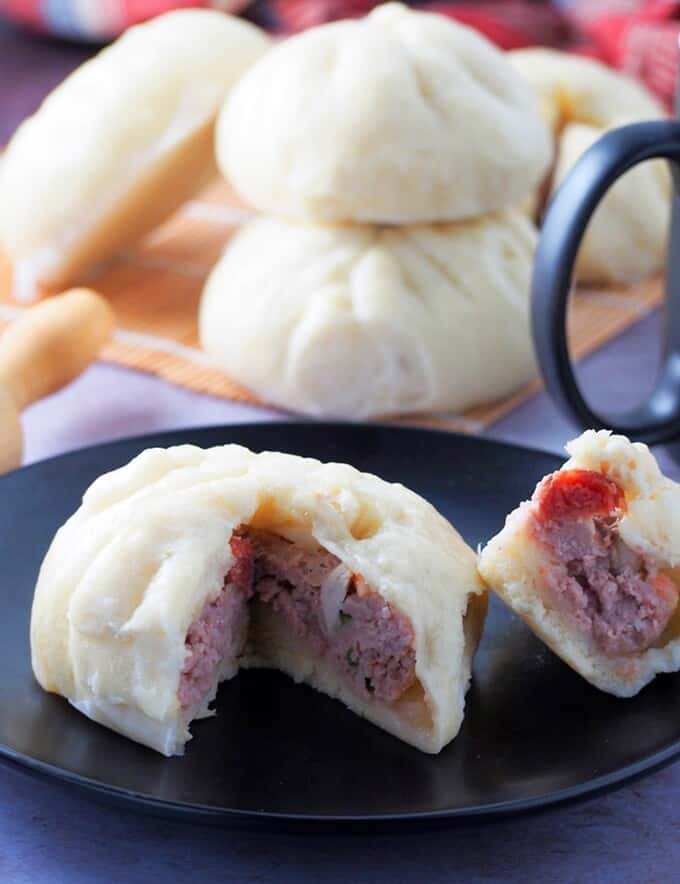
(128, 573)
(581, 99)
(573, 89)
(364, 321)
(119, 145)
(651, 525)
(398, 117)
(626, 238)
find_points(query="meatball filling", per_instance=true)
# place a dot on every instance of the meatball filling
(322, 605)
(608, 591)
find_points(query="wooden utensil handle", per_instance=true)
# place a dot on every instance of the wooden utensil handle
(52, 344)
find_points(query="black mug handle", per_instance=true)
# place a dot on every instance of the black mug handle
(657, 419)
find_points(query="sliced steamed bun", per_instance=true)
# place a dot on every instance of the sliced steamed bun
(185, 565)
(592, 563)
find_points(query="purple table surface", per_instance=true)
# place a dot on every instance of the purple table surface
(51, 834)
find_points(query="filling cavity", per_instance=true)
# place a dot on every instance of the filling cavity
(319, 603)
(615, 595)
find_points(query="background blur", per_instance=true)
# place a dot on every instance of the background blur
(638, 36)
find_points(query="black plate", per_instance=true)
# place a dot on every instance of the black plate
(534, 734)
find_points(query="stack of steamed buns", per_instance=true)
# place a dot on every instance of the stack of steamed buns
(398, 161)
(390, 270)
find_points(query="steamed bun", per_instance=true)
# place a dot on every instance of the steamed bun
(399, 117)
(573, 89)
(581, 99)
(363, 321)
(119, 145)
(626, 238)
(154, 591)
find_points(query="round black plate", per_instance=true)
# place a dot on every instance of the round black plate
(534, 734)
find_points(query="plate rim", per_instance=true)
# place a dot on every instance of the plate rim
(190, 811)
(299, 423)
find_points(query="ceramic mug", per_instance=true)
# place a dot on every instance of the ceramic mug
(658, 418)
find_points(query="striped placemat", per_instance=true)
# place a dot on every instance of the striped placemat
(155, 290)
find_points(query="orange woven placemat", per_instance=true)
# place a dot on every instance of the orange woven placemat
(155, 289)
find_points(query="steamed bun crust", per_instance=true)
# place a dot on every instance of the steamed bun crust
(399, 117)
(156, 553)
(117, 146)
(362, 321)
(591, 563)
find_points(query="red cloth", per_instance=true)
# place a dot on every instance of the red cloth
(298, 15)
(641, 38)
(510, 25)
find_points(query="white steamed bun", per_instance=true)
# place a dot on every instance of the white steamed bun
(364, 321)
(119, 145)
(399, 117)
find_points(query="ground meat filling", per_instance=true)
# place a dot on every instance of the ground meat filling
(221, 630)
(321, 603)
(606, 590)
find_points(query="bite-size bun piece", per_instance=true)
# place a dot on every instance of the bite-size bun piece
(399, 117)
(364, 321)
(626, 238)
(119, 145)
(574, 89)
(187, 564)
(591, 563)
